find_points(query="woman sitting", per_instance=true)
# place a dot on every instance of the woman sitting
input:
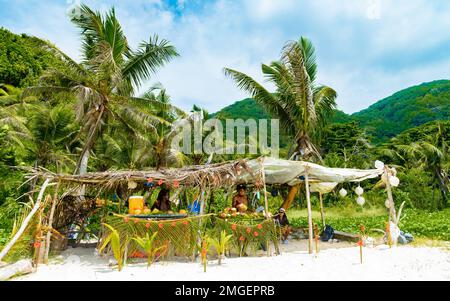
(162, 202)
(282, 220)
(240, 200)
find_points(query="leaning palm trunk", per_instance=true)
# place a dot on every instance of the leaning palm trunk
(306, 150)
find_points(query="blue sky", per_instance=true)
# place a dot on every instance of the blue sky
(367, 49)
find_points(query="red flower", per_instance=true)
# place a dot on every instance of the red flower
(149, 180)
(160, 182)
(176, 184)
(136, 221)
(259, 226)
(174, 224)
(160, 225)
(147, 225)
(37, 244)
(362, 228)
(242, 238)
(233, 227)
(255, 234)
(185, 223)
(126, 220)
(248, 230)
(360, 243)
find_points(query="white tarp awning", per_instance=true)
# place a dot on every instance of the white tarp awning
(323, 179)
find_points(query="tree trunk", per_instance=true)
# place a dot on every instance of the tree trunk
(84, 162)
(306, 150)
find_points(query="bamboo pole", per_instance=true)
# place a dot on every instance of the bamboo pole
(322, 213)
(266, 203)
(308, 202)
(50, 223)
(26, 221)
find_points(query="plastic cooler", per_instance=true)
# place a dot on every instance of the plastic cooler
(135, 203)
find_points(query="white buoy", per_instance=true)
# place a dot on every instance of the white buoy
(359, 190)
(387, 203)
(394, 181)
(379, 164)
(361, 201)
(342, 192)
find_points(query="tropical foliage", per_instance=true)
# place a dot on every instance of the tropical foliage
(74, 116)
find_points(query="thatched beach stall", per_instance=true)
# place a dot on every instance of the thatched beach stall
(180, 232)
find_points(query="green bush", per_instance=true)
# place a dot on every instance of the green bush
(420, 223)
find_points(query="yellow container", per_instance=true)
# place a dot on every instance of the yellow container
(135, 203)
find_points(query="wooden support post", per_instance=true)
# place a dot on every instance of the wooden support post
(263, 175)
(26, 221)
(50, 223)
(322, 213)
(308, 202)
(392, 214)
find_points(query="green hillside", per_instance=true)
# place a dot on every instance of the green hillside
(383, 120)
(23, 58)
(406, 109)
(245, 109)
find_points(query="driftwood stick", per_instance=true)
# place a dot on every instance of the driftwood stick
(50, 224)
(19, 268)
(25, 222)
(322, 212)
(308, 202)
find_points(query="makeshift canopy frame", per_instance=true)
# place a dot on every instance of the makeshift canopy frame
(261, 171)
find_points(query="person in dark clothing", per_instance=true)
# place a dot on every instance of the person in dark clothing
(162, 203)
(282, 220)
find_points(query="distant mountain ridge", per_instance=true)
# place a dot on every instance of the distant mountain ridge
(384, 119)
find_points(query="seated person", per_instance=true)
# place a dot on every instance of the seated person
(162, 202)
(240, 198)
(282, 220)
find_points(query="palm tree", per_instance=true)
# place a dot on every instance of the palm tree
(160, 141)
(53, 133)
(302, 106)
(105, 80)
(12, 119)
(431, 154)
(115, 149)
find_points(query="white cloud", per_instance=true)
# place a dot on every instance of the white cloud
(364, 59)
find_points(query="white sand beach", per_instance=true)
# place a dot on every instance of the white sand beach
(334, 262)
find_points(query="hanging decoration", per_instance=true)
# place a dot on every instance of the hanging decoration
(387, 203)
(149, 183)
(132, 185)
(359, 190)
(394, 181)
(342, 192)
(379, 164)
(361, 201)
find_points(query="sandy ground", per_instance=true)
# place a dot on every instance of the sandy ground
(335, 261)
